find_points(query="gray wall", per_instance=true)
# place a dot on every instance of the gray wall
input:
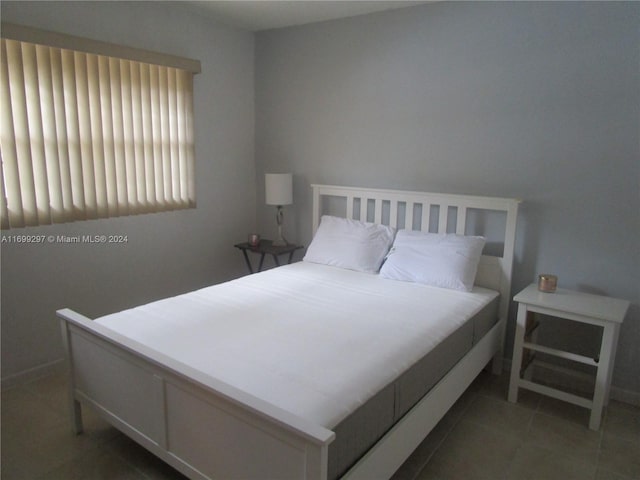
(166, 253)
(539, 101)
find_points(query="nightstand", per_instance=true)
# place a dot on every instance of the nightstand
(602, 311)
(265, 247)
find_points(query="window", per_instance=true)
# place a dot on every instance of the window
(86, 135)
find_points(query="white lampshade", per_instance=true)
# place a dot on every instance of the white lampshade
(278, 188)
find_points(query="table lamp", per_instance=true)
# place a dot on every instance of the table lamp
(279, 192)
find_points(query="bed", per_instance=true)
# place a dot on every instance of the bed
(339, 398)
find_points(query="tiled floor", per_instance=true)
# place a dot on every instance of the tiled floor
(482, 437)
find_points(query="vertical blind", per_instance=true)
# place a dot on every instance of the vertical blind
(86, 136)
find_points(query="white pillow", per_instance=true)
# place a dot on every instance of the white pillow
(441, 260)
(351, 244)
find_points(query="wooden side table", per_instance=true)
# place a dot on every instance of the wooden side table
(265, 247)
(605, 312)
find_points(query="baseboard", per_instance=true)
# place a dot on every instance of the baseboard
(625, 396)
(578, 381)
(27, 376)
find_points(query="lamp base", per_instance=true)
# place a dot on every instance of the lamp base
(280, 242)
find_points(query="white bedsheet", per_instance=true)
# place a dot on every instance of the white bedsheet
(314, 340)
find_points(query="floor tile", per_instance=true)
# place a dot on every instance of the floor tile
(620, 456)
(497, 386)
(504, 416)
(54, 389)
(565, 437)
(535, 463)
(18, 463)
(24, 415)
(567, 411)
(622, 421)
(603, 474)
(472, 451)
(39, 450)
(96, 465)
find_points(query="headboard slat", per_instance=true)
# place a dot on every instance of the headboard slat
(350, 201)
(443, 217)
(426, 217)
(461, 220)
(408, 215)
(393, 213)
(377, 218)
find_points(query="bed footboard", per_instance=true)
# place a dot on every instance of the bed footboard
(202, 427)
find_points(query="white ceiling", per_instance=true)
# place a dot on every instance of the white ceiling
(268, 14)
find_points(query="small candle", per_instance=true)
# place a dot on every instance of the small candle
(547, 283)
(254, 239)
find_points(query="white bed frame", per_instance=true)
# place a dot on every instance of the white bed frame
(208, 429)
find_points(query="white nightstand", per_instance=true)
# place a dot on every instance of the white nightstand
(605, 312)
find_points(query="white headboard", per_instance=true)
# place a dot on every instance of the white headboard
(435, 212)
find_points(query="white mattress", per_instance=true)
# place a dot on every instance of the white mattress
(314, 340)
